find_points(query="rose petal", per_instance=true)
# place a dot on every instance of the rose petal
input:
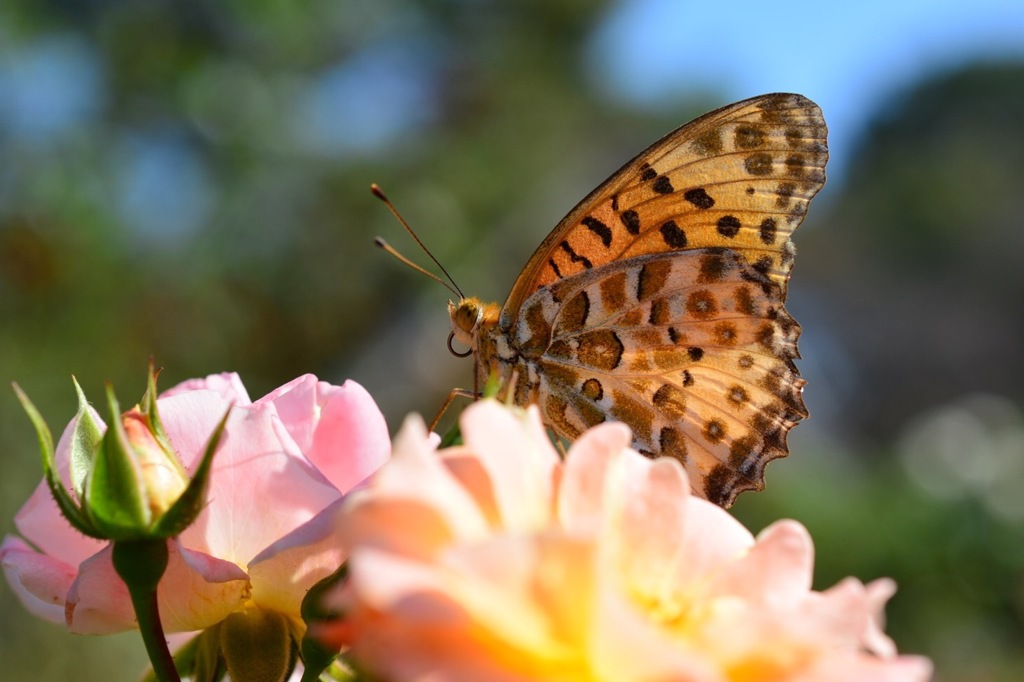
(602, 568)
(586, 473)
(297, 403)
(654, 501)
(227, 385)
(711, 539)
(40, 581)
(351, 439)
(284, 572)
(260, 490)
(190, 418)
(858, 668)
(878, 593)
(777, 570)
(519, 454)
(416, 474)
(196, 591)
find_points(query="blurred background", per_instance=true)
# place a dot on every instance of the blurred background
(189, 180)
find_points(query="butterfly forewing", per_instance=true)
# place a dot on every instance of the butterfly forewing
(740, 177)
(658, 301)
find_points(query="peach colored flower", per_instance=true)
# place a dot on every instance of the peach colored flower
(496, 561)
(266, 535)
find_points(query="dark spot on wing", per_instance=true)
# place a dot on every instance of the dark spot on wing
(673, 235)
(603, 232)
(699, 198)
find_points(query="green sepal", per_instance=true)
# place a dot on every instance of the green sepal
(148, 407)
(257, 646)
(85, 441)
(192, 501)
(316, 657)
(115, 491)
(69, 508)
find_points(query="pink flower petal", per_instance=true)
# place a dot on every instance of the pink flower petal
(518, 453)
(227, 385)
(190, 419)
(339, 428)
(586, 474)
(415, 474)
(283, 572)
(259, 492)
(472, 476)
(434, 626)
(855, 612)
(530, 592)
(777, 570)
(40, 581)
(298, 405)
(654, 499)
(432, 629)
(514, 566)
(711, 539)
(386, 580)
(859, 668)
(351, 439)
(878, 593)
(368, 520)
(196, 591)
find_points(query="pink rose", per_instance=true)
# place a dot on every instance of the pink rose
(266, 535)
(497, 561)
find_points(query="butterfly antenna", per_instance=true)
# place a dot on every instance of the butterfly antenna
(379, 241)
(454, 288)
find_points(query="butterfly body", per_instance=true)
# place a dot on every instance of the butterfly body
(659, 300)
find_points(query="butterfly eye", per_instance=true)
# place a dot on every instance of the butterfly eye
(468, 315)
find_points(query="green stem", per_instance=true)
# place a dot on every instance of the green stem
(141, 564)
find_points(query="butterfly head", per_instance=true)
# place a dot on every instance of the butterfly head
(466, 316)
(469, 316)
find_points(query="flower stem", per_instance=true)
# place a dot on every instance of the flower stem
(141, 564)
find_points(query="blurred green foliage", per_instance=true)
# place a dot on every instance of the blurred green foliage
(188, 180)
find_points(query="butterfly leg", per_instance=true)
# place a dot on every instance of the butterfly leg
(456, 393)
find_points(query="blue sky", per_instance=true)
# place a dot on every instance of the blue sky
(847, 56)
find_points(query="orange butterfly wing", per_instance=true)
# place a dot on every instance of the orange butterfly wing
(739, 177)
(692, 350)
(658, 301)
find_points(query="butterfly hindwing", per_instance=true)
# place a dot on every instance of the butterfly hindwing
(692, 350)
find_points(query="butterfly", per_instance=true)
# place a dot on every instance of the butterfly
(658, 301)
